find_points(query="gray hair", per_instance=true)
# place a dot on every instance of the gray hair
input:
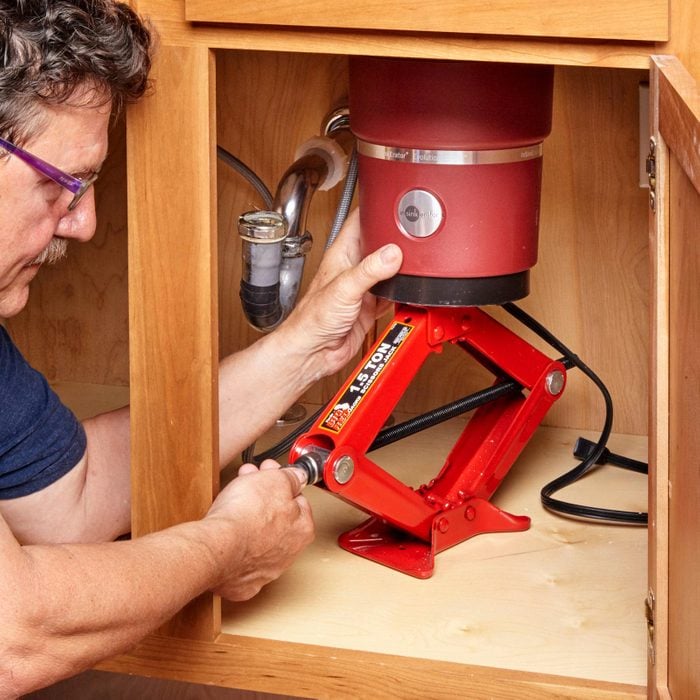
(51, 50)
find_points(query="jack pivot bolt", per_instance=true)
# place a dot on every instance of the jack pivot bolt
(343, 470)
(554, 382)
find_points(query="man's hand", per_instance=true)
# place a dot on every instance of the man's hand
(332, 319)
(269, 522)
(320, 337)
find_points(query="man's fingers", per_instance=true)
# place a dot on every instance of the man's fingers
(298, 478)
(247, 469)
(379, 265)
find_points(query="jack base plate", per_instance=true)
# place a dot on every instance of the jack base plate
(378, 541)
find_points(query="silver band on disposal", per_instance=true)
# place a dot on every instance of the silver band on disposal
(445, 157)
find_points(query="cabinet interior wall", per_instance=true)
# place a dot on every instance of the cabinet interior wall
(591, 284)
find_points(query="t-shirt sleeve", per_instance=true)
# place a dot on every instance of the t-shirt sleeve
(40, 438)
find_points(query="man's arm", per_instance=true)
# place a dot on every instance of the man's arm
(64, 607)
(256, 385)
(92, 502)
(67, 605)
(320, 337)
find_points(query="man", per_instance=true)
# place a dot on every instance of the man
(71, 595)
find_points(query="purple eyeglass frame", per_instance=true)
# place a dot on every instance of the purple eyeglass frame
(73, 184)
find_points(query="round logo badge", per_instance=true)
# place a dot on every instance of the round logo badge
(419, 213)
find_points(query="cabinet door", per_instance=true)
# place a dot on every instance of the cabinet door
(632, 20)
(674, 604)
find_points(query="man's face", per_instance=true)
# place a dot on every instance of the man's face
(34, 212)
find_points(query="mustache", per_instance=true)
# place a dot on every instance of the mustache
(54, 251)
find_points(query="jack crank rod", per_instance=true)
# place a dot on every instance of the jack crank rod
(439, 415)
(312, 463)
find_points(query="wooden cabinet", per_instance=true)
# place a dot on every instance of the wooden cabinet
(602, 280)
(675, 487)
(638, 20)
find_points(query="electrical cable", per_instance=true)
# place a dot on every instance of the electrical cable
(249, 174)
(242, 169)
(341, 215)
(583, 449)
(591, 461)
(285, 444)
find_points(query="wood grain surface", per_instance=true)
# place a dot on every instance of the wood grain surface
(638, 20)
(684, 473)
(563, 598)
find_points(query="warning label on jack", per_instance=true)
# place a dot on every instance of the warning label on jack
(370, 371)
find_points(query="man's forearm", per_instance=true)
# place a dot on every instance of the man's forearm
(322, 334)
(68, 605)
(256, 386)
(75, 604)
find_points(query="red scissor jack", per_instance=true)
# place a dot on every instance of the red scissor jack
(409, 526)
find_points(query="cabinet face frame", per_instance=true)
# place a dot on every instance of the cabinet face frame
(173, 307)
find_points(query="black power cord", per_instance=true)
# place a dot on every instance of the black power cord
(583, 449)
(594, 455)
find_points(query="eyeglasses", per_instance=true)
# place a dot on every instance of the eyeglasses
(78, 186)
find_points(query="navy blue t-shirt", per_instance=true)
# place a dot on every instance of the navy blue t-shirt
(40, 439)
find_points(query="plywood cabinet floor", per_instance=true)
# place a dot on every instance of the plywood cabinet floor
(564, 598)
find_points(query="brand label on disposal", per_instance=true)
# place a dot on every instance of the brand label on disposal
(419, 213)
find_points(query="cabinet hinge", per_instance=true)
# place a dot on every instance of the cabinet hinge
(650, 611)
(651, 173)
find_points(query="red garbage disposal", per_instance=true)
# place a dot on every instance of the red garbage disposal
(450, 167)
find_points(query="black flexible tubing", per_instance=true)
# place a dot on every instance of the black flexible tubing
(242, 169)
(554, 504)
